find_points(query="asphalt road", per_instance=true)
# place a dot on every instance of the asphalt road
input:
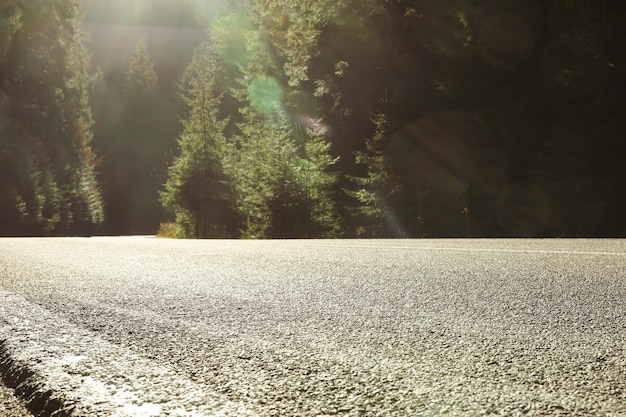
(144, 326)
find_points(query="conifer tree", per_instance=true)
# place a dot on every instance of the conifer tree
(377, 191)
(198, 191)
(319, 179)
(141, 78)
(261, 169)
(48, 181)
(281, 167)
(283, 182)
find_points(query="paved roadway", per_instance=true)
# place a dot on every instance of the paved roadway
(144, 326)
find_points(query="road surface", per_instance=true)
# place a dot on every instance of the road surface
(145, 326)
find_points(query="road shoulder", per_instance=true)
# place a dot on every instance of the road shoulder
(11, 405)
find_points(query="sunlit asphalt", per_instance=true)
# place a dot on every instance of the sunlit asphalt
(144, 326)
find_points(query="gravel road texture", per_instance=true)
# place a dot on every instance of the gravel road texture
(153, 327)
(10, 405)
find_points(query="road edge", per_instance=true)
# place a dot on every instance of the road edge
(30, 388)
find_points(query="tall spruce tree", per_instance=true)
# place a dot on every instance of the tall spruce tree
(281, 170)
(376, 191)
(283, 180)
(141, 78)
(48, 183)
(267, 195)
(198, 190)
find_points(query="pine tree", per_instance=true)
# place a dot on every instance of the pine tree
(580, 181)
(378, 191)
(280, 171)
(280, 167)
(85, 198)
(319, 181)
(282, 178)
(491, 106)
(198, 191)
(141, 78)
(263, 178)
(48, 183)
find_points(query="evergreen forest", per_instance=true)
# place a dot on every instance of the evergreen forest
(313, 118)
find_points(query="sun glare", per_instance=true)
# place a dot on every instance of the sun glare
(152, 12)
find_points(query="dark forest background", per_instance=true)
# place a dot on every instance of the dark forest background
(313, 118)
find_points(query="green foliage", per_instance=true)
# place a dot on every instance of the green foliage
(10, 23)
(171, 231)
(510, 109)
(319, 182)
(377, 193)
(198, 191)
(48, 183)
(283, 184)
(141, 78)
(264, 172)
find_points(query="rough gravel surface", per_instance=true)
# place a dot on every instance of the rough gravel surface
(10, 405)
(151, 327)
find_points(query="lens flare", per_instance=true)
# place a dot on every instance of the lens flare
(229, 33)
(315, 125)
(265, 94)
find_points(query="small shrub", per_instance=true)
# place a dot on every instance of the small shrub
(171, 231)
